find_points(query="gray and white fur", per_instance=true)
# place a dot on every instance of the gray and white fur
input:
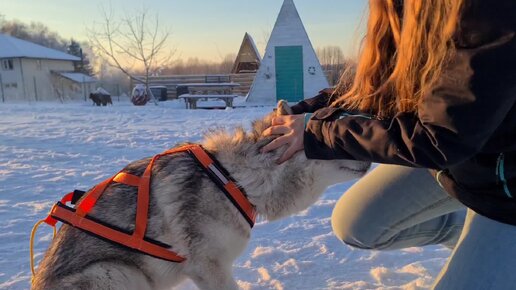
(189, 212)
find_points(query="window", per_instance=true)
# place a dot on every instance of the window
(38, 64)
(7, 64)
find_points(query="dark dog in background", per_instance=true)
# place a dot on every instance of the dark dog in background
(101, 99)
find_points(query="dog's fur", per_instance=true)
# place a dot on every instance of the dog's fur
(189, 212)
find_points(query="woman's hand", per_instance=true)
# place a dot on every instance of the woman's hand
(291, 128)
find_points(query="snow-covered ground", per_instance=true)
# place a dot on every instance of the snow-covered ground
(48, 149)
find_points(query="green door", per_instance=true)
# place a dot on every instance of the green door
(289, 73)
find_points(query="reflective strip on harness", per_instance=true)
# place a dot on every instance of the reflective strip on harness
(237, 197)
(219, 174)
(78, 217)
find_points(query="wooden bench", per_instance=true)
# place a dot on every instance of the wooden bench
(207, 88)
(217, 79)
(191, 100)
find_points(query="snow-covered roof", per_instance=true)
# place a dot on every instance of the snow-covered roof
(78, 77)
(12, 47)
(255, 48)
(101, 90)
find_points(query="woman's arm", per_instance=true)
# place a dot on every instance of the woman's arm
(454, 121)
(322, 100)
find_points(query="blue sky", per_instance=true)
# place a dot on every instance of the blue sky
(208, 29)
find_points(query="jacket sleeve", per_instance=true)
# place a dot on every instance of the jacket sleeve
(454, 121)
(322, 100)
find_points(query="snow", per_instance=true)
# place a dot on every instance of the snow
(78, 77)
(253, 44)
(12, 47)
(102, 91)
(48, 149)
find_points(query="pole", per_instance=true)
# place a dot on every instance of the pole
(35, 89)
(23, 80)
(2, 89)
(83, 84)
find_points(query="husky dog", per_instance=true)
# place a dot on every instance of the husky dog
(188, 211)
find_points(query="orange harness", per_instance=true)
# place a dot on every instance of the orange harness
(78, 216)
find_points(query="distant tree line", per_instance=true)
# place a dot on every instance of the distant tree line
(194, 65)
(334, 63)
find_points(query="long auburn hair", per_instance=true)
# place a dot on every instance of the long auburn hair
(406, 44)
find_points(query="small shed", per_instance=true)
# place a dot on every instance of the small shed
(74, 85)
(248, 59)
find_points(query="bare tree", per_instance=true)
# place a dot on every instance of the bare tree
(226, 65)
(197, 66)
(132, 42)
(333, 62)
(34, 32)
(265, 37)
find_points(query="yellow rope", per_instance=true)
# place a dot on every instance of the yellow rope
(32, 234)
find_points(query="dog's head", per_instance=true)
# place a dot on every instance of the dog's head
(278, 190)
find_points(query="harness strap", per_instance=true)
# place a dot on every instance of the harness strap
(85, 206)
(142, 205)
(229, 187)
(232, 191)
(89, 201)
(67, 215)
(126, 178)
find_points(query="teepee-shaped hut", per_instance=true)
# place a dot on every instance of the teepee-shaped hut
(248, 58)
(290, 69)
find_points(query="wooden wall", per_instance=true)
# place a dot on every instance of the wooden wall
(171, 82)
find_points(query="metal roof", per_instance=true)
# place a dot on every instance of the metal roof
(78, 77)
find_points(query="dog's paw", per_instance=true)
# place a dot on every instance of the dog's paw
(283, 108)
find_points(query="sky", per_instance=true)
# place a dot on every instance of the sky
(206, 29)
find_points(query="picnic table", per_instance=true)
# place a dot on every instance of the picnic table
(208, 91)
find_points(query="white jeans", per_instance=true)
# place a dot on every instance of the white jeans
(396, 207)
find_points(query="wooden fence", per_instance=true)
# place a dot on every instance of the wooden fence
(171, 82)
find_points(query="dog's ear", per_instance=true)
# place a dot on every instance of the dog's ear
(283, 109)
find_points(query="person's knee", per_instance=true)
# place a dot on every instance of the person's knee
(363, 217)
(354, 231)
